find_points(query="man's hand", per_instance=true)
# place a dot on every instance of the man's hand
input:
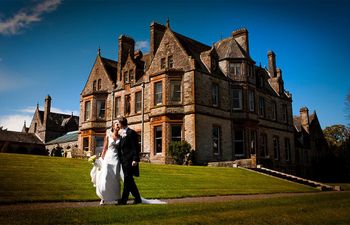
(134, 163)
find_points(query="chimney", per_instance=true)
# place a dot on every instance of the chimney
(304, 116)
(241, 36)
(272, 63)
(157, 33)
(126, 46)
(47, 108)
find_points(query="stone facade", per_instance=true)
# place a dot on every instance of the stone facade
(214, 97)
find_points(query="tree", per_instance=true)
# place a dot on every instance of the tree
(180, 152)
(336, 135)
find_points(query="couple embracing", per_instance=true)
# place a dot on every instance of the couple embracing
(119, 160)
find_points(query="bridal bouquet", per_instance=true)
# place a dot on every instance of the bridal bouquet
(92, 159)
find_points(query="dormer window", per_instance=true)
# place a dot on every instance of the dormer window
(170, 62)
(235, 69)
(99, 84)
(126, 77)
(94, 85)
(131, 75)
(162, 63)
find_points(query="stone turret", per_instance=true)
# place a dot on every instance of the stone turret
(126, 47)
(272, 63)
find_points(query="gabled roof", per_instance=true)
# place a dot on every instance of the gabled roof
(297, 121)
(13, 136)
(58, 120)
(111, 68)
(193, 48)
(68, 137)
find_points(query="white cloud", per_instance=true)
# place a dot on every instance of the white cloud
(15, 122)
(25, 17)
(143, 45)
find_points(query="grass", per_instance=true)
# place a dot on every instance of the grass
(27, 178)
(325, 208)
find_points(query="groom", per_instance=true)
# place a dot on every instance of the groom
(129, 157)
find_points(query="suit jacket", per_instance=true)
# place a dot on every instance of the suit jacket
(129, 151)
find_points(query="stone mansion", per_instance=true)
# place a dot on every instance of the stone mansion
(214, 97)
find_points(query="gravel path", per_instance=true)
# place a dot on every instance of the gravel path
(56, 205)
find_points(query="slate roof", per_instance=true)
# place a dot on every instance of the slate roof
(297, 121)
(229, 48)
(193, 48)
(13, 136)
(68, 137)
(111, 68)
(58, 121)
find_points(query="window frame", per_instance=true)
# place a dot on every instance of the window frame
(239, 99)
(176, 138)
(251, 101)
(99, 109)
(156, 152)
(173, 92)
(158, 101)
(138, 101)
(276, 147)
(238, 141)
(87, 113)
(216, 152)
(215, 94)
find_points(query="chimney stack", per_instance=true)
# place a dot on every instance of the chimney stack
(241, 36)
(126, 46)
(272, 63)
(304, 116)
(157, 33)
(47, 108)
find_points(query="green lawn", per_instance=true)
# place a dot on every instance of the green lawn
(325, 208)
(39, 178)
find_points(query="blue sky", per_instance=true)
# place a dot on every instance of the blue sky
(49, 46)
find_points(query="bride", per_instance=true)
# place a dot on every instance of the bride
(107, 173)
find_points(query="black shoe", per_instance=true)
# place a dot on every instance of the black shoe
(121, 202)
(135, 202)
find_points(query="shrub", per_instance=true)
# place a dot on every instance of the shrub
(180, 152)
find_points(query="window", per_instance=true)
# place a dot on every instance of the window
(138, 101)
(86, 144)
(237, 99)
(261, 106)
(99, 84)
(99, 145)
(287, 148)
(274, 110)
(126, 77)
(253, 142)
(158, 139)
(216, 140)
(238, 142)
(261, 81)
(170, 62)
(94, 85)
(251, 102)
(117, 107)
(215, 94)
(35, 127)
(162, 63)
(158, 100)
(87, 110)
(235, 69)
(263, 146)
(101, 109)
(127, 104)
(131, 75)
(276, 148)
(176, 132)
(285, 113)
(175, 87)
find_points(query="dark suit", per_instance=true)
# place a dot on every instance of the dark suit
(129, 151)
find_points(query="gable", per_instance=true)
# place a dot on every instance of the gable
(98, 72)
(38, 119)
(170, 46)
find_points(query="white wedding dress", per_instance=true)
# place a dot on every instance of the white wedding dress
(107, 175)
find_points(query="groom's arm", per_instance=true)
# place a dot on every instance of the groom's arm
(135, 147)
